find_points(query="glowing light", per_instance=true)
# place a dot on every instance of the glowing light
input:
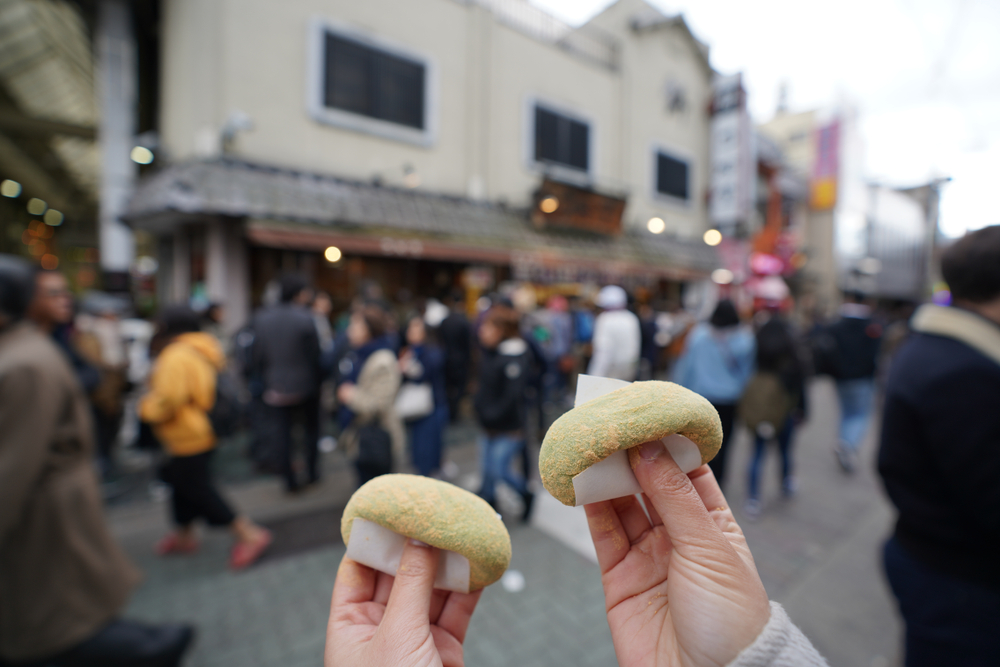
(50, 262)
(333, 254)
(412, 180)
(36, 206)
(53, 218)
(141, 155)
(549, 204)
(713, 237)
(9, 188)
(722, 276)
(656, 225)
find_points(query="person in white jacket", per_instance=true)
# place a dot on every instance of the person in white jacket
(617, 337)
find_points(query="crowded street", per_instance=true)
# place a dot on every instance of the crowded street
(413, 333)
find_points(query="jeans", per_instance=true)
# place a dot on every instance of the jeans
(496, 453)
(948, 621)
(426, 437)
(760, 449)
(856, 403)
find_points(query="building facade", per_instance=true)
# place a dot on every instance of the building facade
(295, 126)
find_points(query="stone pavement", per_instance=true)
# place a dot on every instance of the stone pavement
(817, 554)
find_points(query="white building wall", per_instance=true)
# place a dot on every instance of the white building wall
(221, 56)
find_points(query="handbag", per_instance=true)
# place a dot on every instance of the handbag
(415, 400)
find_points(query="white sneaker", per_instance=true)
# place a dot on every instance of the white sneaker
(752, 509)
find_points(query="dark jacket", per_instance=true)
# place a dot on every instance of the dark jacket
(62, 575)
(455, 334)
(503, 376)
(778, 352)
(430, 369)
(856, 341)
(940, 451)
(286, 352)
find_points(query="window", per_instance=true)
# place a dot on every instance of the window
(561, 140)
(364, 80)
(672, 176)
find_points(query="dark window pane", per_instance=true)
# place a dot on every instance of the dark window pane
(671, 176)
(578, 144)
(372, 83)
(401, 91)
(348, 72)
(561, 140)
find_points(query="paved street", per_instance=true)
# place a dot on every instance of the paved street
(817, 554)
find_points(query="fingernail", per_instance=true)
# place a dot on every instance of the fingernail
(418, 543)
(651, 450)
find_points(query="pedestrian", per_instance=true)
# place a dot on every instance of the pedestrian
(617, 337)
(455, 336)
(856, 338)
(63, 580)
(51, 310)
(100, 341)
(939, 460)
(182, 392)
(773, 403)
(557, 348)
(680, 588)
(717, 362)
(369, 382)
(286, 358)
(422, 366)
(500, 407)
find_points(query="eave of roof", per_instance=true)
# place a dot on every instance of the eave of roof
(287, 208)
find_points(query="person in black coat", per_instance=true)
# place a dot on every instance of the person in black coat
(455, 335)
(503, 375)
(286, 358)
(940, 462)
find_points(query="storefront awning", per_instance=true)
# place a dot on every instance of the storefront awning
(296, 210)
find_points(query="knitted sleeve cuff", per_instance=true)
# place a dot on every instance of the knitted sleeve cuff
(780, 644)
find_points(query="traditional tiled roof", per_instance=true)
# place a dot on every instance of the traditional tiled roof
(309, 202)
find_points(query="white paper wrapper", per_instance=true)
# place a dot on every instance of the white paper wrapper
(613, 477)
(381, 549)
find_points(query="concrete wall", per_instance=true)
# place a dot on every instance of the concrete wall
(254, 56)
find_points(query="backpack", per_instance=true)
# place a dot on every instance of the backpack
(226, 414)
(765, 400)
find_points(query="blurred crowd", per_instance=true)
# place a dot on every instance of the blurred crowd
(382, 384)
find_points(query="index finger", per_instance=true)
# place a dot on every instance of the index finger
(355, 583)
(677, 500)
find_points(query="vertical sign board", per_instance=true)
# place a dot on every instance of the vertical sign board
(823, 185)
(732, 155)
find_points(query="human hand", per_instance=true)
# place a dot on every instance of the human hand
(345, 393)
(682, 589)
(377, 619)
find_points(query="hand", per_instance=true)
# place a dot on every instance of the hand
(377, 619)
(345, 393)
(681, 589)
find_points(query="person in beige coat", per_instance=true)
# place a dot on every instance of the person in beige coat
(63, 579)
(370, 379)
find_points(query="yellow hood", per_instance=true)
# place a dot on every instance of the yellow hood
(207, 345)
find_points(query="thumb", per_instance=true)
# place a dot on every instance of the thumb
(409, 602)
(675, 498)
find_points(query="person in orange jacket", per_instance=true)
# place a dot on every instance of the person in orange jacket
(181, 394)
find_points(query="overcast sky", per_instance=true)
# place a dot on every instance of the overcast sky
(924, 75)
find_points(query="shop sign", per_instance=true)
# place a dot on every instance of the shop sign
(732, 158)
(401, 247)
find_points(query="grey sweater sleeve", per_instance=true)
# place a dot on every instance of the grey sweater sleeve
(780, 644)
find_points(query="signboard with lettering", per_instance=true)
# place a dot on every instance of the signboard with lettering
(732, 154)
(563, 205)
